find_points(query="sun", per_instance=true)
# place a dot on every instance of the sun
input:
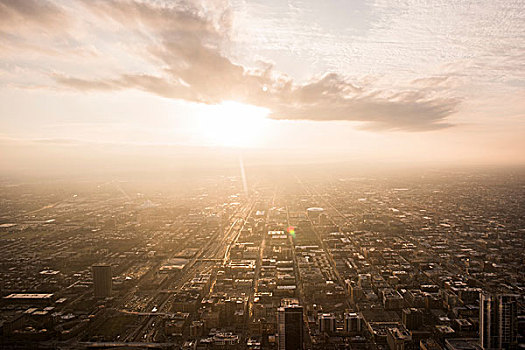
(233, 124)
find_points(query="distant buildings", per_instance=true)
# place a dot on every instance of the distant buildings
(102, 283)
(290, 323)
(352, 323)
(385, 270)
(498, 321)
(314, 213)
(29, 298)
(412, 318)
(398, 338)
(327, 323)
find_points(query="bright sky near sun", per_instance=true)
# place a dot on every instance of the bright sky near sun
(435, 79)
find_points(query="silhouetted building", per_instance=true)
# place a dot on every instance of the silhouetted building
(498, 321)
(398, 338)
(102, 280)
(352, 322)
(290, 321)
(412, 318)
(327, 323)
(429, 344)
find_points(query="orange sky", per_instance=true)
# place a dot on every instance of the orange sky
(360, 80)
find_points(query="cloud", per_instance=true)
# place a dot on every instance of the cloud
(152, 84)
(187, 41)
(411, 111)
(33, 29)
(41, 14)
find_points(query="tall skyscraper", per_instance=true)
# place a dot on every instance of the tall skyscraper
(102, 280)
(290, 321)
(498, 321)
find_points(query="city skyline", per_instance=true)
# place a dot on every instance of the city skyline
(262, 174)
(300, 258)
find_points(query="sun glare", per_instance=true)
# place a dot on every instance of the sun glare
(233, 124)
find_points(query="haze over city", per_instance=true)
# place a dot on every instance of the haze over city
(262, 174)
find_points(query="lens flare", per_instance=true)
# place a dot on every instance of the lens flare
(291, 231)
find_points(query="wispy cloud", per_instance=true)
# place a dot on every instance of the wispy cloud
(185, 42)
(193, 50)
(44, 15)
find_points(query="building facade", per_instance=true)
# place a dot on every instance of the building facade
(102, 280)
(498, 321)
(290, 323)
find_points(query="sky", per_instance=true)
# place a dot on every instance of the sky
(407, 80)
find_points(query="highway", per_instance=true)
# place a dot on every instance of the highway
(205, 260)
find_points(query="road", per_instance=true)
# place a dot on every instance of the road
(204, 260)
